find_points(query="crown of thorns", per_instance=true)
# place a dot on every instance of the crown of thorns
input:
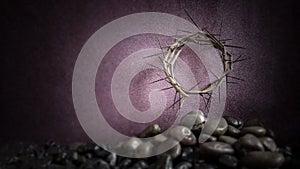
(201, 37)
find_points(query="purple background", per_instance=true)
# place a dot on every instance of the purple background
(41, 41)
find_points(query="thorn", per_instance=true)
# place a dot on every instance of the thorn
(221, 29)
(233, 77)
(167, 88)
(175, 102)
(154, 66)
(154, 55)
(240, 60)
(190, 17)
(194, 86)
(231, 82)
(158, 80)
(233, 46)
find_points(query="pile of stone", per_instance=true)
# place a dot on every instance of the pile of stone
(234, 144)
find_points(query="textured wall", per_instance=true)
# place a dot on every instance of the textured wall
(43, 39)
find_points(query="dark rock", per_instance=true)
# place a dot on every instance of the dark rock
(141, 164)
(259, 159)
(112, 159)
(233, 121)
(269, 143)
(165, 162)
(215, 148)
(144, 150)
(208, 138)
(270, 133)
(129, 147)
(100, 164)
(174, 152)
(183, 134)
(228, 161)
(253, 122)
(256, 130)
(222, 128)
(99, 152)
(194, 119)
(124, 163)
(150, 131)
(232, 131)
(184, 165)
(187, 154)
(250, 143)
(227, 139)
(204, 166)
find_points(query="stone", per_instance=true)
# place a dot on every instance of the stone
(253, 122)
(256, 130)
(232, 131)
(207, 137)
(184, 165)
(150, 131)
(260, 159)
(215, 148)
(129, 146)
(250, 143)
(228, 161)
(159, 139)
(187, 154)
(144, 150)
(233, 121)
(183, 134)
(204, 166)
(141, 164)
(112, 159)
(174, 151)
(227, 139)
(268, 143)
(194, 119)
(270, 133)
(221, 128)
(164, 162)
(125, 163)
(101, 164)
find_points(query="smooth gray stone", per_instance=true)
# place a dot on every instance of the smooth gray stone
(228, 160)
(232, 131)
(174, 151)
(184, 165)
(164, 162)
(270, 133)
(150, 131)
(222, 128)
(129, 146)
(251, 143)
(219, 130)
(233, 121)
(209, 138)
(253, 122)
(183, 134)
(228, 139)
(144, 150)
(194, 119)
(101, 164)
(204, 166)
(260, 159)
(256, 130)
(158, 139)
(269, 143)
(141, 164)
(215, 148)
